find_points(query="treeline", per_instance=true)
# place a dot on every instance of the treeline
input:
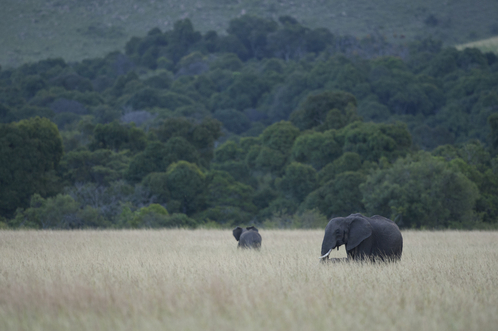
(272, 123)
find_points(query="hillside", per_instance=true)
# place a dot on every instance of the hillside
(485, 45)
(75, 30)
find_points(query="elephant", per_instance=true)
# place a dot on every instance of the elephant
(373, 238)
(248, 237)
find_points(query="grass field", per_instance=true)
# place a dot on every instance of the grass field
(198, 280)
(486, 45)
(32, 30)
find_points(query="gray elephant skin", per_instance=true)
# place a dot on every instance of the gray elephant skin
(374, 238)
(248, 237)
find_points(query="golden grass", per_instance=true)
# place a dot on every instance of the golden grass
(485, 45)
(198, 280)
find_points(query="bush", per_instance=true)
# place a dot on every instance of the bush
(59, 212)
(421, 192)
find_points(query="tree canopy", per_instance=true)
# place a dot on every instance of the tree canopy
(267, 122)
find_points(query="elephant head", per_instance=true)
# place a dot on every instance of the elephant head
(349, 231)
(248, 237)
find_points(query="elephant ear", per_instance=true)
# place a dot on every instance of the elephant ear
(252, 228)
(237, 232)
(359, 230)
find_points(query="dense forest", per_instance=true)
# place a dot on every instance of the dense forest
(272, 124)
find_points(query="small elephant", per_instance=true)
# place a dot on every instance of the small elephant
(374, 238)
(248, 237)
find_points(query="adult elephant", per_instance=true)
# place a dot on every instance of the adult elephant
(248, 237)
(374, 238)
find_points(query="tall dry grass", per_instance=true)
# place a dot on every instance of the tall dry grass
(198, 280)
(485, 45)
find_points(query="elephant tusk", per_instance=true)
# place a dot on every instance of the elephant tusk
(327, 254)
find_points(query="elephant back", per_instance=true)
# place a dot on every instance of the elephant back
(388, 239)
(250, 239)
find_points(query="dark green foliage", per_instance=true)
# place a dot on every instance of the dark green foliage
(263, 198)
(373, 111)
(238, 170)
(158, 156)
(120, 84)
(268, 160)
(101, 166)
(105, 114)
(316, 149)
(309, 117)
(187, 185)
(150, 97)
(177, 148)
(339, 196)
(150, 160)
(229, 151)
(30, 153)
(117, 137)
(157, 184)
(252, 33)
(6, 115)
(59, 212)
(225, 192)
(493, 123)
(201, 136)
(233, 120)
(280, 136)
(315, 110)
(228, 61)
(11, 96)
(28, 111)
(174, 127)
(161, 81)
(421, 192)
(373, 141)
(298, 181)
(30, 85)
(289, 42)
(347, 162)
(181, 38)
(244, 92)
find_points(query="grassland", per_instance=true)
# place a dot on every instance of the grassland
(31, 30)
(486, 45)
(198, 280)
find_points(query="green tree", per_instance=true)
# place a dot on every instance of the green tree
(252, 32)
(373, 141)
(298, 181)
(157, 184)
(176, 149)
(150, 160)
(228, 201)
(228, 151)
(187, 185)
(316, 148)
(348, 161)
(118, 137)
(59, 212)
(151, 216)
(101, 166)
(181, 38)
(314, 110)
(280, 136)
(421, 191)
(340, 196)
(30, 152)
(493, 123)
